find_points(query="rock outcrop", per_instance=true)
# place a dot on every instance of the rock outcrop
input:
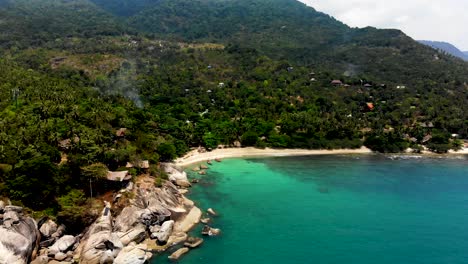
(162, 212)
(163, 232)
(133, 254)
(152, 211)
(136, 234)
(19, 237)
(176, 255)
(174, 172)
(210, 231)
(64, 244)
(100, 244)
(212, 212)
(48, 228)
(193, 242)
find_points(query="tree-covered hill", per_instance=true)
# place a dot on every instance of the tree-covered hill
(26, 23)
(180, 74)
(280, 29)
(288, 29)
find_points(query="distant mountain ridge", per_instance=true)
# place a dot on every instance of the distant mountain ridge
(447, 48)
(281, 29)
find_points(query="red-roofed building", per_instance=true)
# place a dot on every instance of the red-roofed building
(370, 106)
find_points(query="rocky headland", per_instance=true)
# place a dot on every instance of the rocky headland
(153, 219)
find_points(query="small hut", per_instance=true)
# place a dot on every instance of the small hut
(337, 82)
(144, 164)
(121, 132)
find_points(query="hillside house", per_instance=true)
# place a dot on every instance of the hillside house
(121, 132)
(336, 82)
(144, 164)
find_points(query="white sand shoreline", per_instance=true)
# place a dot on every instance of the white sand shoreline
(194, 156)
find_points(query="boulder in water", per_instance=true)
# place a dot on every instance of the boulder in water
(176, 255)
(183, 183)
(205, 220)
(209, 231)
(212, 212)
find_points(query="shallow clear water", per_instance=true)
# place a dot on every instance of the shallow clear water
(335, 209)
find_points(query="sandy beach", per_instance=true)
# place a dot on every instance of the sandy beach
(195, 156)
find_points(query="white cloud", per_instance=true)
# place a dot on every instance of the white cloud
(421, 19)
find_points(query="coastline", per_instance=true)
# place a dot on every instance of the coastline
(195, 156)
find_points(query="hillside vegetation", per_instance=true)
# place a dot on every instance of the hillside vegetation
(180, 74)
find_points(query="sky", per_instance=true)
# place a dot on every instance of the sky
(438, 20)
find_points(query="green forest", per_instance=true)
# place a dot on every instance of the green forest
(172, 75)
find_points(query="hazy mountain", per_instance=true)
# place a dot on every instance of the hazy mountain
(446, 47)
(280, 29)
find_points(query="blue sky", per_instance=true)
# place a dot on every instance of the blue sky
(441, 20)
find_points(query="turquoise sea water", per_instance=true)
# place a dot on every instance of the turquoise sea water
(335, 209)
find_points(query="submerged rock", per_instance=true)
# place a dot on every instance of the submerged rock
(203, 167)
(179, 253)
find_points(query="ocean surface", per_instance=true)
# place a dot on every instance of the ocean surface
(335, 209)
